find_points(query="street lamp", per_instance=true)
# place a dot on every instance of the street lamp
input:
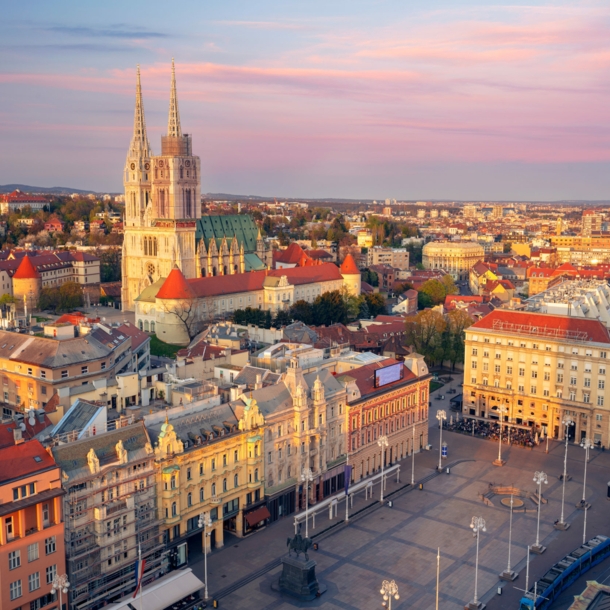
(561, 524)
(382, 441)
(500, 462)
(441, 415)
(389, 590)
(61, 584)
(539, 478)
(205, 522)
(477, 525)
(307, 478)
(509, 573)
(586, 444)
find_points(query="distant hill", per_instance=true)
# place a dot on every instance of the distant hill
(53, 190)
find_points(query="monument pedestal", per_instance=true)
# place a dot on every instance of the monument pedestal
(509, 576)
(299, 579)
(498, 462)
(561, 526)
(538, 549)
(473, 606)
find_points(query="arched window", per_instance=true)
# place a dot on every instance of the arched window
(236, 481)
(224, 485)
(174, 509)
(189, 499)
(140, 325)
(146, 326)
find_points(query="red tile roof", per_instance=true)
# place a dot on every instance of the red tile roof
(7, 438)
(349, 267)
(18, 460)
(292, 254)
(138, 337)
(175, 286)
(541, 325)
(26, 270)
(365, 377)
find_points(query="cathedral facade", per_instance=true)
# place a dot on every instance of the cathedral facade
(163, 223)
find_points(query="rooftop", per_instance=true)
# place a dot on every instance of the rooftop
(23, 460)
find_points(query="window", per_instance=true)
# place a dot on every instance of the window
(600, 402)
(213, 463)
(34, 581)
(545, 392)
(474, 364)
(269, 457)
(64, 374)
(587, 383)
(14, 560)
(188, 474)
(602, 370)
(532, 389)
(599, 417)
(547, 376)
(509, 370)
(49, 545)
(586, 397)
(174, 509)
(43, 374)
(236, 481)
(559, 377)
(475, 351)
(497, 368)
(601, 384)
(51, 573)
(572, 395)
(189, 499)
(30, 372)
(498, 355)
(602, 354)
(572, 380)
(201, 495)
(201, 469)
(103, 366)
(224, 485)
(213, 490)
(15, 589)
(236, 456)
(224, 459)
(521, 372)
(485, 366)
(33, 552)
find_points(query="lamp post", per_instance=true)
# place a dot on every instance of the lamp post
(509, 573)
(500, 462)
(389, 590)
(477, 525)
(539, 478)
(441, 415)
(205, 522)
(306, 478)
(61, 584)
(382, 441)
(413, 457)
(561, 524)
(586, 444)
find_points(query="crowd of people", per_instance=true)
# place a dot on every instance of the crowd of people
(484, 429)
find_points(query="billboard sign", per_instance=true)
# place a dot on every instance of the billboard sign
(388, 374)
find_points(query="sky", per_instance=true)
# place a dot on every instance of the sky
(404, 99)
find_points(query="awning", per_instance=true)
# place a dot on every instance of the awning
(258, 515)
(163, 592)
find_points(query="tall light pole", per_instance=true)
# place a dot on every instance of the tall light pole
(441, 415)
(389, 590)
(539, 478)
(500, 462)
(382, 441)
(61, 584)
(438, 575)
(306, 478)
(477, 525)
(413, 457)
(586, 444)
(561, 524)
(509, 573)
(205, 522)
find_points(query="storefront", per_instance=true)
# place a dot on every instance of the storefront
(281, 504)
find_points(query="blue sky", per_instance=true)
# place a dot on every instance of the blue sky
(412, 100)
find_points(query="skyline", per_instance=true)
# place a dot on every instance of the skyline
(477, 101)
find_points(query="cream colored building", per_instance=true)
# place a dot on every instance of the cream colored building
(455, 257)
(394, 257)
(543, 369)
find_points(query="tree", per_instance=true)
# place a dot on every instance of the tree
(110, 265)
(6, 299)
(330, 308)
(376, 304)
(457, 322)
(370, 277)
(48, 299)
(364, 313)
(303, 311)
(435, 290)
(425, 334)
(186, 312)
(253, 316)
(449, 284)
(400, 288)
(282, 318)
(424, 301)
(70, 296)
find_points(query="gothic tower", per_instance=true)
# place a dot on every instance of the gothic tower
(162, 203)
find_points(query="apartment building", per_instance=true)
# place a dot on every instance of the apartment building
(393, 257)
(387, 398)
(209, 460)
(32, 533)
(543, 369)
(110, 513)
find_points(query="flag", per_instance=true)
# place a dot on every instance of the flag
(139, 574)
(348, 476)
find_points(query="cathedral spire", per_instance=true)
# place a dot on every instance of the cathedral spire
(139, 140)
(173, 123)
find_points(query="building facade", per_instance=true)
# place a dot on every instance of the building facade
(543, 369)
(32, 548)
(111, 514)
(456, 258)
(393, 257)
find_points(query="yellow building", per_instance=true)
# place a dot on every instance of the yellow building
(209, 461)
(543, 369)
(455, 258)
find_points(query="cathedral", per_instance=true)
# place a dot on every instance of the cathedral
(163, 224)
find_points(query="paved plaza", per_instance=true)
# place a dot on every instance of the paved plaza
(401, 542)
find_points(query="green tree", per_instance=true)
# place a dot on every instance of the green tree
(376, 303)
(364, 313)
(424, 301)
(457, 322)
(425, 332)
(110, 265)
(48, 299)
(70, 296)
(330, 308)
(435, 289)
(6, 299)
(449, 284)
(303, 311)
(282, 318)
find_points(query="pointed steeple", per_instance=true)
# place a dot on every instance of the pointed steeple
(173, 123)
(139, 140)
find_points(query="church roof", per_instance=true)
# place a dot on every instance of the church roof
(175, 286)
(349, 267)
(26, 270)
(291, 255)
(237, 225)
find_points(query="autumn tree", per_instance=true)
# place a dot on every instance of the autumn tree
(458, 321)
(435, 289)
(425, 334)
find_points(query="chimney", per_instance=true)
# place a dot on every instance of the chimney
(259, 382)
(17, 436)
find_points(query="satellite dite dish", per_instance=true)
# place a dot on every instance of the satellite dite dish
(22, 426)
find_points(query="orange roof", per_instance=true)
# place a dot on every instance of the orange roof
(292, 254)
(348, 266)
(26, 270)
(175, 286)
(19, 460)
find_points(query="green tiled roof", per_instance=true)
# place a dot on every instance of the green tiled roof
(253, 263)
(217, 227)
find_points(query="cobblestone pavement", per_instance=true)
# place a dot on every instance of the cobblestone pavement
(401, 542)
